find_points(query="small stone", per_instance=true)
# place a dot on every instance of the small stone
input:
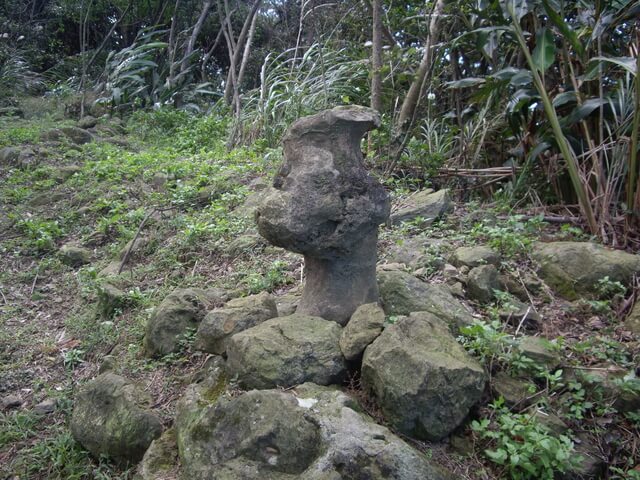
(77, 135)
(9, 156)
(449, 271)
(159, 181)
(63, 173)
(515, 391)
(45, 406)
(10, 401)
(482, 281)
(539, 350)
(110, 298)
(108, 364)
(182, 310)
(237, 315)
(288, 303)
(74, 256)
(87, 122)
(363, 328)
(475, 256)
(457, 290)
(551, 421)
(514, 312)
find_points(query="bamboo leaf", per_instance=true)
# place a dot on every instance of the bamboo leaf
(568, 33)
(545, 51)
(628, 63)
(466, 82)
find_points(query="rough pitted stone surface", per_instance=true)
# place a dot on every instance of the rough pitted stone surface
(365, 325)
(424, 204)
(424, 381)
(481, 283)
(237, 315)
(574, 268)
(324, 205)
(9, 156)
(401, 293)
(111, 418)
(310, 433)
(540, 351)
(475, 256)
(182, 310)
(74, 256)
(77, 135)
(87, 122)
(632, 323)
(160, 460)
(286, 351)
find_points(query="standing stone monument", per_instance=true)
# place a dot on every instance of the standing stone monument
(326, 206)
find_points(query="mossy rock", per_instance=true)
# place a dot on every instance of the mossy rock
(111, 417)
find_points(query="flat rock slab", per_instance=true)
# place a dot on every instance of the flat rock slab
(423, 380)
(426, 204)
(475, 256)
(287, 351)
(311, 433)
(401, 293)
(574, 268)
(111, 417)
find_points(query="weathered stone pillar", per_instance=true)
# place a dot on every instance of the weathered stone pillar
(324, 205)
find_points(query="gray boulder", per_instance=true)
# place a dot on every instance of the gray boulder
(74, 256)
(311, 432)
(426, 204)
(481, 283)
(475, 256)
(365, 325)
(111, 417)
(87, 122)
(9, 156)
(574, 268)
(286, 351)
(423, 380)
(401, 293)
(237, 315)
(161, 459)
(77, 135)
(326, 206)
(179, 312)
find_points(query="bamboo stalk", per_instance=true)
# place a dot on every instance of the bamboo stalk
(563, 144)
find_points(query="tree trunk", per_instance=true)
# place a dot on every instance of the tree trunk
(206, 6)
(235, 58)
(409, 105)
(173, 46)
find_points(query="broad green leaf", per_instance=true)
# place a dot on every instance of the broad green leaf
(516, 8)
(507, 73)
(520, 99)
(466, 82)
(564, 98)
(628, 63)
(545, 51)
(522, 78)
(538, 150)
(584, 110)
(568, 33)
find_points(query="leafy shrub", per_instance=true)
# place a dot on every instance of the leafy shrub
(523, 446)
